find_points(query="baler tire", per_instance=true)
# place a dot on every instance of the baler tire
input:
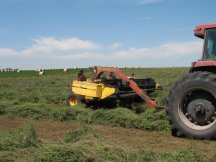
(195, 89)
(73, 100)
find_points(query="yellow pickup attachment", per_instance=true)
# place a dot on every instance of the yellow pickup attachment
(92, 90)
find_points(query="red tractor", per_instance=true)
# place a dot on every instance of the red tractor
(191, 102)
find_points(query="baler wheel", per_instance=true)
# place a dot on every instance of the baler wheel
(73, 100)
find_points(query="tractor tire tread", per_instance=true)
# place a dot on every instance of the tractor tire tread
(176, 130)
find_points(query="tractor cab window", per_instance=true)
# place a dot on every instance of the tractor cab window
(210, 45)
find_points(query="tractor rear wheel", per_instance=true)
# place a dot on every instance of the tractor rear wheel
(191, 106)
(73, 100)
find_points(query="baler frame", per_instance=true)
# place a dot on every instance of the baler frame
(98, 71)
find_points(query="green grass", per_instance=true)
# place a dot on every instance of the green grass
(29, 95)
(19, 138)
(121, 117)
(83, 144)
(45, 96)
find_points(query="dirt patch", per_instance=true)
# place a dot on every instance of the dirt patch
(160, 141)
(46, 129)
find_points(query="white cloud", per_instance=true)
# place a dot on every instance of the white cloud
(167, 50)
(7, 52)
(64, 44)
(49, 45)
(116, 45)
(79, 56)
(183, 48)
(144, 2)
(48, 51)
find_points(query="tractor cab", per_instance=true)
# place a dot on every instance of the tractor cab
(209, 51)
(208, 61)
(208, 33)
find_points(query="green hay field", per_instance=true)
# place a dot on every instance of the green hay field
(30, 96)
(27, 94)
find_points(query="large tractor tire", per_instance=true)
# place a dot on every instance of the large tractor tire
(191, 106)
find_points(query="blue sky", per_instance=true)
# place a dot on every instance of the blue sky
(68, 33)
